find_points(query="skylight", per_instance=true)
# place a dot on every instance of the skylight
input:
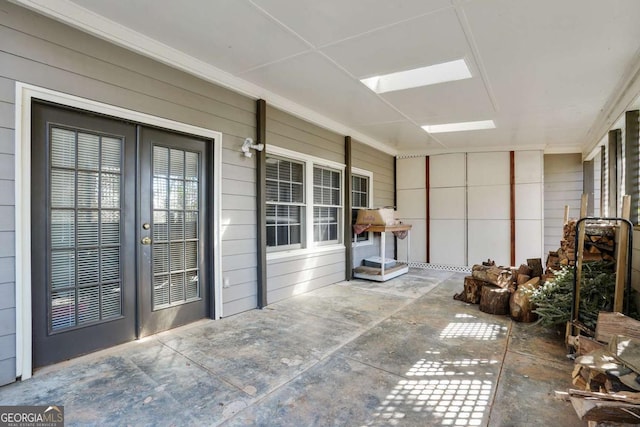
(461, 126)
(431, 75)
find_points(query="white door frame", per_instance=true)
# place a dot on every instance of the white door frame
(25, 93)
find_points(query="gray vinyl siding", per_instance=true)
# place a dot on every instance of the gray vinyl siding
(7, 233)
(42, 52)
(302, 273)
(292, 133)
(562, 186)
(381, 165)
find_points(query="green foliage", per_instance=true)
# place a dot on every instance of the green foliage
(554, 299)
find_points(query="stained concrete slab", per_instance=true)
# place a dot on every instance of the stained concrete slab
(525, 395)
(342, 392)
(356, 305)
(401, 352)
(411, 285)
(267, 351)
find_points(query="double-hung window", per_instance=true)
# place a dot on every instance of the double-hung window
(304, 205)
(326, 205)
(360, 199)
(285, 203)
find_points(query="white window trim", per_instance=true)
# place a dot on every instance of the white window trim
(25, 93)
(368, 174)
(309, 162)
(303, 205)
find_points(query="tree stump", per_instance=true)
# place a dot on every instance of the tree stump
(471, 292)
(520, 304)
(494, 300)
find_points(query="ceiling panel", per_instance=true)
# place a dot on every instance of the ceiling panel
(511, 139)
(401, 134)
(546, 52)
(311, 79)
(462, 100)
(327, 21)
(569, 116)
(422, 41)
(231, 34)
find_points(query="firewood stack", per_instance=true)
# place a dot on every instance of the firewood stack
(607, 377)
(599, 245)
(503, 290)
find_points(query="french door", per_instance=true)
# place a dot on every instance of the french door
(173, 230)
(118, 231)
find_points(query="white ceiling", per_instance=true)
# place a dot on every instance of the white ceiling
(552, 74)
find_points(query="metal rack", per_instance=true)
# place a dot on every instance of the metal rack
(623, 250)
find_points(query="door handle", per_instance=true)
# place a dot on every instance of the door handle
(146, 240)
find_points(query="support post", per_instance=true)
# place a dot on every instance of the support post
(348, 203)
(261, 201)
(622, 253)
(579, 257)
(612, 171)
(512, 204)
(428, 213)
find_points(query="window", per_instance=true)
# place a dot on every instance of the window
(304, 202)
(359, 200)
(285, 202)
(326, 209)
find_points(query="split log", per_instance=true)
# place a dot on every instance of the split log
(605, 411)
(525, 270)
(625, 396)
(586, 345)
(499, 276)
(520, 304)
(486, 273)
(535, 264)
(522, 279)
(610, 324)
(472, 290)
(494, 300)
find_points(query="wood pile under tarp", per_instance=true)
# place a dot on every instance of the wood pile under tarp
(607, 378)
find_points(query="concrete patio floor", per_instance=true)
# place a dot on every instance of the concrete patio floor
(351, 354)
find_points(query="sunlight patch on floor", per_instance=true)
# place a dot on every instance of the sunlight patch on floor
(476, 330)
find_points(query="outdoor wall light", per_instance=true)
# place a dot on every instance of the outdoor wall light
(249, 145)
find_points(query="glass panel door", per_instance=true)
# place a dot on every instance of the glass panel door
(83, 262)
(176, 189)
(172, 210)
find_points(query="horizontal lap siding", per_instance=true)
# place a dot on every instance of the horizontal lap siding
(292, 133)
(42, 52)
(294, 275)
(562, 186)
(289, 277)
(7, 235)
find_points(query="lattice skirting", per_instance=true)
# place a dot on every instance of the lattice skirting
(427, 266)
